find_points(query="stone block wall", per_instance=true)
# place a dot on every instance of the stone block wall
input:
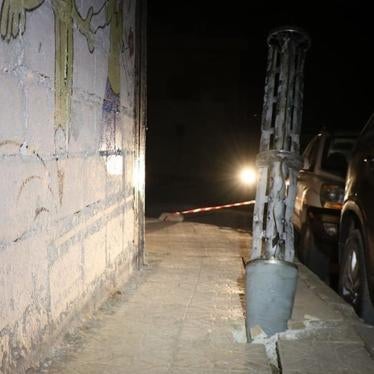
(71, 172)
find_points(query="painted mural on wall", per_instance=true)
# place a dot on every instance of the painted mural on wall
(120, 62)
(13, 23)
(128, 53)
(109, 139)
(109, 14)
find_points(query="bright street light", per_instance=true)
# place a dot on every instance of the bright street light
(248, 176)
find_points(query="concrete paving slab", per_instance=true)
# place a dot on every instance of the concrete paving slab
(239, 357)
(316, 357)
(366, 333)
(340, 333)
(183, 313)
(308, 303)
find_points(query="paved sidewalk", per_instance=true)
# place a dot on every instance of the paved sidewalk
(184, 313)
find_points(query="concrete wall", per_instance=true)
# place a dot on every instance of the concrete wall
(69, 165)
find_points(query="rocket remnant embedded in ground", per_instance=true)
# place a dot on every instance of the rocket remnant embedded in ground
(271, 272)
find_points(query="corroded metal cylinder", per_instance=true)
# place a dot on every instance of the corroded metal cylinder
(272, 309)
(270, 275)
(279, 161)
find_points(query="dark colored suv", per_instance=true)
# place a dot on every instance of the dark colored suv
(356, 237)
(319, 198)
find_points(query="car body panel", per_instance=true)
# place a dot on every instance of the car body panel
(319, 197)
(310, 180)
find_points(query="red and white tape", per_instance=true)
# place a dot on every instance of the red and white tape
(178, 216)
(217, 207)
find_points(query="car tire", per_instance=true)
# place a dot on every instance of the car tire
(312, 256)
(353, 285)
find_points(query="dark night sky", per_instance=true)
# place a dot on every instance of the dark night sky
(339, 72)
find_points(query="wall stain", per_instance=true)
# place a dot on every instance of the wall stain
(60, 179)
(9, 142)
(39, 211)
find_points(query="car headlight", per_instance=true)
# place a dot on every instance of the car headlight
(332, 196)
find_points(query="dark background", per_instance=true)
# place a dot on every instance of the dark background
(206, 72)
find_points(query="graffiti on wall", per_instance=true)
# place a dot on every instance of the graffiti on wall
(120, 62)
(13, 23)
(109, 14)
(109, 138)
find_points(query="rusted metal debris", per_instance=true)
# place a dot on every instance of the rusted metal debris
(279, 161)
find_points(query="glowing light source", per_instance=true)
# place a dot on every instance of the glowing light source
(138, 174)
(114, 164)
(248, 176)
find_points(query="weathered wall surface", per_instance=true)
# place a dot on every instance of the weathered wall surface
(69, 164)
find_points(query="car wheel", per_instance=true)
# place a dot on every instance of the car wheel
(312, 256)
(353, 285)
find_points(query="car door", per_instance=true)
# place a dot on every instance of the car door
(305, 181)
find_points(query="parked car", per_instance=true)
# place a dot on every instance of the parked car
(319, 199)
(356, 234)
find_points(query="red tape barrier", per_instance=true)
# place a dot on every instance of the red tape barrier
(210, 208)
